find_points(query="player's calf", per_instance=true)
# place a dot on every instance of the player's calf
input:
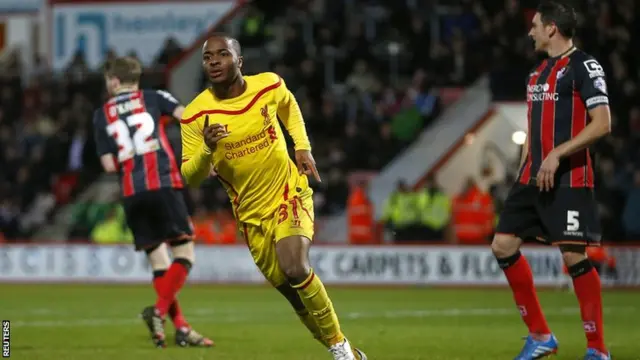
(292, 253)
(305, 316)
(175, 312)
(518, 273)
(158, 257)
(176, 275)
(588, 290)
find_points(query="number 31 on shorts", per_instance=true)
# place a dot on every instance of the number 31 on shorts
(283, 212)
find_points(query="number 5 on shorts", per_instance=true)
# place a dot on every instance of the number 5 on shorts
(573, 223)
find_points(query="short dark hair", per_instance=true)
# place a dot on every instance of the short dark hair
(126, 69)
(561, 14)
(235, 44)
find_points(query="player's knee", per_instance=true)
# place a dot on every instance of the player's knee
(296, 272)
(292, 254)
(159, 273)
(158, 257)
(573, 254)
(183, 249)
(505, 245)
(186, 263)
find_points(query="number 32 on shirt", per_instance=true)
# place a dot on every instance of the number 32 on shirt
(141, 142)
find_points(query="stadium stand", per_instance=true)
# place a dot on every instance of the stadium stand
(368, 83)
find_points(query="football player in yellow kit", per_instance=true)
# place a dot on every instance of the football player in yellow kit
(233, 128)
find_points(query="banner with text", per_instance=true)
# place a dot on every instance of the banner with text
(141, 28)
(386, 265)
(426, 265)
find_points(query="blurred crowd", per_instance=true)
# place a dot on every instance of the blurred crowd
(47, 151)
(369, 76)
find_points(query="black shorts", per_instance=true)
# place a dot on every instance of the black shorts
(561, 216)
(157, 216)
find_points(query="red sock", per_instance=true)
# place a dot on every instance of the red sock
(177, 317)
(170, 285)
(589, 292)
(521, 282)
(175, 313)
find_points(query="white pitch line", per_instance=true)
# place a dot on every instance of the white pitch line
(469, 312)
(393, 314)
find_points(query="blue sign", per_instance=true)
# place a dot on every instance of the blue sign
(142, 28)
(20, 6)
(94, 29)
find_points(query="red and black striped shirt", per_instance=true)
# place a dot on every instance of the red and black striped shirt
(560, 92)
(129, 126)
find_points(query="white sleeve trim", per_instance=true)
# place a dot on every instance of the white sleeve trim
(597, 100)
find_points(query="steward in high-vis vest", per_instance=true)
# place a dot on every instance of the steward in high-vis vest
(434, 207)
(401, 213)
(473, 215)
(360, 216)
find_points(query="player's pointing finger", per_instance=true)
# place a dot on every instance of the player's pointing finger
(206, 121)
(314, 171)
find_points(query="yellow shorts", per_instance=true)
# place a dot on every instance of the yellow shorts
(294, 217)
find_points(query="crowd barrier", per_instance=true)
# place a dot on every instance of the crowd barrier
(353, 265)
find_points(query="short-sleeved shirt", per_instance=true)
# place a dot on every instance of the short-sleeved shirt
(560, 92)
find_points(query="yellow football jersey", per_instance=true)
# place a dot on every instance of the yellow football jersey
(252, 162)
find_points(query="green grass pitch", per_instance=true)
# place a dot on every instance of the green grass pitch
(99, 322)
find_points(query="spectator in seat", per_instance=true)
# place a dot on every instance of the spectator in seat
(253, 29)
(434, 208)
(401, 213)
(9, 219)
(473, 214)
(360, 215)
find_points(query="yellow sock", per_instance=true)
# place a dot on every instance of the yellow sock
(308, 321)
(315, 298)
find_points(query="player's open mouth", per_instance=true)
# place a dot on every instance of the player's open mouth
(215, 73)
